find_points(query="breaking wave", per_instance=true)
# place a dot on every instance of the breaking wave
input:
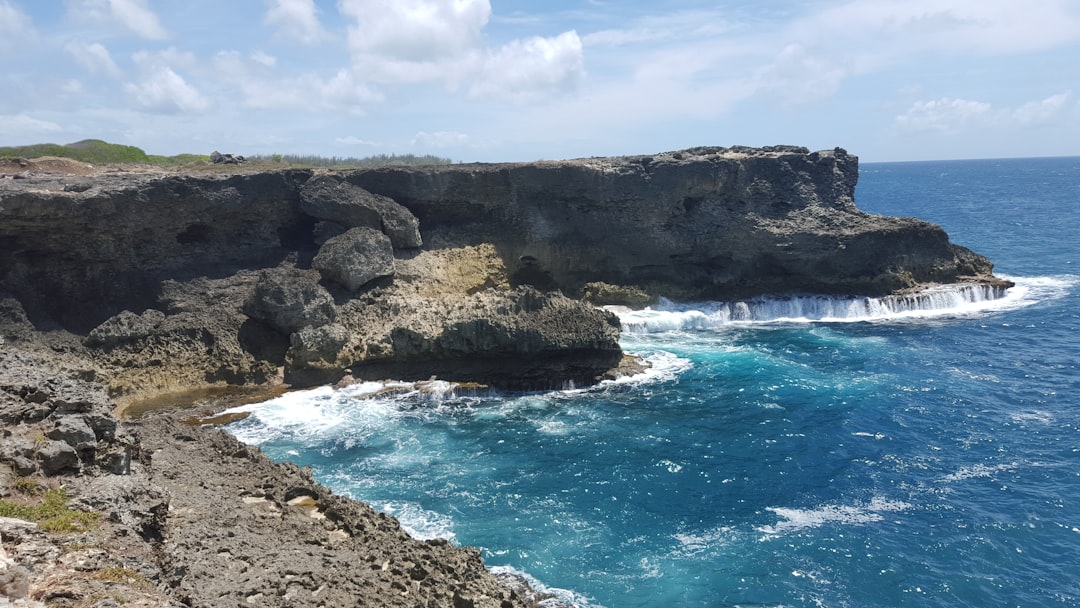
(940, 301)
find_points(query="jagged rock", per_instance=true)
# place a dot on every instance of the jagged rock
(290, 299)
(603, 294)
(77, 258)
(519, 339)
(125, 327)
(316, 348)
(14, 324)
(699, 224)
(328, 198)
(324, 231)
(56, 457)
(355, 258)
(73, 431)
(226, 159)
(14, 578)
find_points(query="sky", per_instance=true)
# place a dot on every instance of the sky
(510, 80)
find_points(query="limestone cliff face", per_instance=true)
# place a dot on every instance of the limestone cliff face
(705, 223)
(176, 280)
(80, 249)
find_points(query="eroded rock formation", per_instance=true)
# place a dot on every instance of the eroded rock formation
(705, 223)
(121, 286)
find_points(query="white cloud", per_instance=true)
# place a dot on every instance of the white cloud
(532, 69)
(1037, 113)
(950, 115)
(134, 15)
(94, 58)
(260, 87)
(166, 92)
(352, 140)
(943, 115)
(442, 41)
(678, 26)
(440, 139)
(797, 76)
(161, 89)
(415, 31)
(12, 20)
(918, 26)
(21, 125)
(264, 59)
(296, 19)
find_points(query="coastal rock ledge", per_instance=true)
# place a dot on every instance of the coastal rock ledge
(138, 287)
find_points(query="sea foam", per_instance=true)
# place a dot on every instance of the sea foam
(940, 301)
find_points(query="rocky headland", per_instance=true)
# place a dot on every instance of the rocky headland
(126, 288)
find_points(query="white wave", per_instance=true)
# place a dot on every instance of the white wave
(564, 597)
(420, 523)
(978, 471)
(793, 520)
(943, 301)
(693, 544)
(663, 366)
(307, 412)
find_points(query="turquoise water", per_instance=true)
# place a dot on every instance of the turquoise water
(808, 453)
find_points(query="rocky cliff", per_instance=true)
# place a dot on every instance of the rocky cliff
(705, 223)
(137, 287)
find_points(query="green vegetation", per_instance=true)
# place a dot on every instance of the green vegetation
(48, 508)
(98, 152)
(93, 151)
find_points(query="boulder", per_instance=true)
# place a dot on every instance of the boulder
(56, 457)
(328, 198)
(515, 339)
(73, 431)
(125, 327)
(355, 258)
(290, 299)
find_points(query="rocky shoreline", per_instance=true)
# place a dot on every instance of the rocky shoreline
(122, 287)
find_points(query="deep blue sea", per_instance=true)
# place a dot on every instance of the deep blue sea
(813, 452)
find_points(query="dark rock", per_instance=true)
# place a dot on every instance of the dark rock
(14, 324)
(355, 258)
(290, 299)
(312, 344)
(518, 339)
(226, 159)
(78, 258)
(704, 223)
(125, 327)
(73, 431)
(328, 198)
(325, 231)
(56, 457)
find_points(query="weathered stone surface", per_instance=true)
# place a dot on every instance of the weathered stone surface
(73, 431)
(355, 258)
(56, 457)
(78, 258)
(706, 223)
(125, 327)
(313, 346)
(194, 518)
(517, 339)
(290, 299)
(327, 197)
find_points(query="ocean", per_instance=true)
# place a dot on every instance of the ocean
(808, 452)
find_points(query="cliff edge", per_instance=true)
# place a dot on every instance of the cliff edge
(698, 224)
(131, 287)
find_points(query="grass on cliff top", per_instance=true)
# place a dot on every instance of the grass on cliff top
(98, 152)
(48, 508)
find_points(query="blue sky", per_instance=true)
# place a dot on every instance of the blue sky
(513, 80)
